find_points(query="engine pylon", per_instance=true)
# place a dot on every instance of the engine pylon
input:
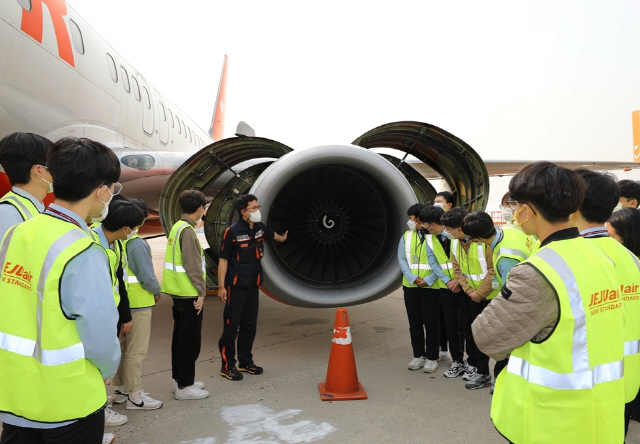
(342, 378)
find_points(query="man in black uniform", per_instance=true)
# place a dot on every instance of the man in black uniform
(240, 254)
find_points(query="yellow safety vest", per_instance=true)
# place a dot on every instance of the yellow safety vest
(138, 296)
(443, 260)
(473, 265)
(416, 257)
(533, 243)
(175, 281)
(514, 245)
(42, 358)
(569, 388)
(25, 207)
(116, 256)
(628, 273)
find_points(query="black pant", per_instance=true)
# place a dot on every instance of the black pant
(88, 430)
(185, 345)
(500, 365)
(240, 321)
(423, 311)
(631, 411)
(444, 342)
(476, 357)
(456, 312)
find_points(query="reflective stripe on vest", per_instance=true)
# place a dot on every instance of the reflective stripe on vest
(30, 347)
(407, 248)
(20, 204)
(175, 280)
(481, 259)
(446, 265)
(582, 377)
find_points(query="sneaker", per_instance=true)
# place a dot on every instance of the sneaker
(430, 366)
(456, 369)
(120, 396)
(174, 385)
(108, 438)
(469, 372)
(252, 369)
(232, 374)
(142, 401)
(444, 355)
(112, 418)
(479, 381)
(417, 363)
(191, 392)
(492, 386)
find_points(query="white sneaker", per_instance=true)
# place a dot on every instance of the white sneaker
(470, 373)
(112, 418)
(417, 363)
(108, 438)
(430, 366)
(174, 387)
(444, 355)
(119, 397)
(191, 392)
(142, 401)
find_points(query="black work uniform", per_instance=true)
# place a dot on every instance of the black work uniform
(243, 247)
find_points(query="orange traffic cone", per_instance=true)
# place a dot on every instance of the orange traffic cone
(342, 378)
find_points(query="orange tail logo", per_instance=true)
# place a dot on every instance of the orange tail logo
(32, 25)
(635, 119)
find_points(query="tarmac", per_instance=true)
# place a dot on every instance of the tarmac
(283, 404)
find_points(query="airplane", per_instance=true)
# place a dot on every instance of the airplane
(344, 205)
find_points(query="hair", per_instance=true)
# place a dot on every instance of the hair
(123, 213)
(555, 191)
(430, 214)
(19, 152)
(447, 196)
(243, 202)
(601, 195)
(79, 166)
(191, 200)
(629, 189)
(414, 210)
(505, 198)
(626, 223)
(478, 224)
(454, 217)
(142, 205)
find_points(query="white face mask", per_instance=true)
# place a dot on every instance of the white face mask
(133, 233)
(439, 205)
(507, 214)
(411, 224)
(618, 207)
(449, 235)
(255, 216)
(105, 210)
(50, 184)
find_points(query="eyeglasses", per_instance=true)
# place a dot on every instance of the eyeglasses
(257, 207)
(117, 187)
(512, 205)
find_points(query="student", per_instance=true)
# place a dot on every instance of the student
(601, 196)
(143, 290)
(23, 157)
(241, 273)
(566, 354)
(184, 281)
(629, 194)
(444, 200)
(63, 348)
(473, 267)
(509, 247)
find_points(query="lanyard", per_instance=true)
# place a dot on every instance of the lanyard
(63, 216)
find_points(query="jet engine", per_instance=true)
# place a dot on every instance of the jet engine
(344, 206)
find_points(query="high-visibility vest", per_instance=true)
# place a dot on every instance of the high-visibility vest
(514, 245)
(443, 260)
(569, 387)
(628, 274)
(116, 256)
(416, 257)
(25, 207)
(533, 243)
(45, 375)
(472, 265)
(175, 281)
(138, 296)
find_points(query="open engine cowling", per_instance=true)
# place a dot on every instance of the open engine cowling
(343, 205)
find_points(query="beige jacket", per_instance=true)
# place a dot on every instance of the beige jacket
(527, 309)
(485, 287)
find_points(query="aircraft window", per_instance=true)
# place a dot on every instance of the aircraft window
(170, 117)
(136, 88)
(189, 131)
(178, 124)
(76, 36)
(125, 79)
(164, 114)
(26, 4)
(147, 99)
(184, 130)
(112, 68)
